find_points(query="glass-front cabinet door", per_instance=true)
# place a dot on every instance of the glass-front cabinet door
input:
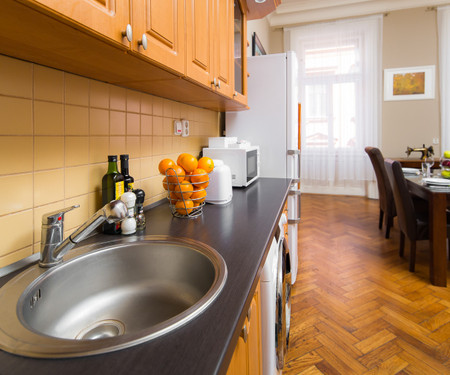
(240, 53)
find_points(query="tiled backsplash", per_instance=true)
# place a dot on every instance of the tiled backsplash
(56, 131)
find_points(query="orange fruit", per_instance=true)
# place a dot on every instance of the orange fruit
(173, 199)
(166, 185)
(199, 178)
(188, 162)
(180, 157)
(184, 208)
(165, 164)
(206, 163)
(174, 172)
(183, 190)
(198, 197)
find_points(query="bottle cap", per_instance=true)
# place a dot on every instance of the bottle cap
(112, 158)
(124, 157)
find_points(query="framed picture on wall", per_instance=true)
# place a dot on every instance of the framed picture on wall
(257, 48)
(412, 83)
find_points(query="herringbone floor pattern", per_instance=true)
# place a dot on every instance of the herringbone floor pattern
(356, 309)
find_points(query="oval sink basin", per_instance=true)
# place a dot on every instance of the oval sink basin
(106, 297)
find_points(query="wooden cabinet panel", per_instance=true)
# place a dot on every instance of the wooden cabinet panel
(162, 22)
(247, 358)
(223, 47)
(199, 39)
(107, 17)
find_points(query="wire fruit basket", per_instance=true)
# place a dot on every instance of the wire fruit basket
(186, 193)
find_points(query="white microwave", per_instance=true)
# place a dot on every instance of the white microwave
(243, 163)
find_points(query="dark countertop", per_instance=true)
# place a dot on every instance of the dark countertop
(241, 232)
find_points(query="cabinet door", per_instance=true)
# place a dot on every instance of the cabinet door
(254, 335)
(162, 23)
(107, 17)
(199, 39)
(240, 53)
(223, 46)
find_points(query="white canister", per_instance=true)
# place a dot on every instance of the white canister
(220, 189)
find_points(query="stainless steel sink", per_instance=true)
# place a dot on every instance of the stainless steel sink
(106, 297)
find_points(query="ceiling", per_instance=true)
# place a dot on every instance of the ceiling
(296, 12)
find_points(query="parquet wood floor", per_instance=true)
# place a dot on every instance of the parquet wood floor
(356, 309)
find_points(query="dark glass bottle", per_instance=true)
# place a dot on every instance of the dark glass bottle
(128, 180)
(112, 189)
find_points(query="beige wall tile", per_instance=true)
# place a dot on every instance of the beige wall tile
(48, 118)
(40, 211)
(117, 146)
(134, 147)
(146, 125)
(76, 181)
(17, 116)
(157, 147)
(18, 189)
(48, 186)
(146, 104)
(157, 106)
(76, 151)
(118, 98)
(117, 123)
(98, 121)
(176, 110)
(96, 173)
(76, 120)
(133, 101)
(78, 216)
(76, 89)
(94, 202)
(15, 256)
(16, 231)
(48, 84)
(158, 125)
(147, 144)
(16, 77)
(98, 94)
(167, 126)
(167, 108)
(98, 149)
(167, 146)
(19, 153)
(133, 124)
(146, 167)
(135, 169)
(48, 152)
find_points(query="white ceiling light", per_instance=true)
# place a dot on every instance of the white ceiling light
(260, 1)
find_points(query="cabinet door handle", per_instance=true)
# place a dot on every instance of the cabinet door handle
(128, 33)
(214, 82)
(143, 42)
(244, 333)
(218, 83)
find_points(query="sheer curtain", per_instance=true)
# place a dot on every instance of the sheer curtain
(340, 93)
(443, 15)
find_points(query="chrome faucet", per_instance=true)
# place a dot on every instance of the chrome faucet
(53, 247)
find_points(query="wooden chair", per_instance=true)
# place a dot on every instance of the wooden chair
(386, 198)
(412, 214)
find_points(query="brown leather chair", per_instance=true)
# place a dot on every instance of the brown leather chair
(386, 198)
(412, 213)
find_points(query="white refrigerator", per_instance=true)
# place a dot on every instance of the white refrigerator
(272, 124)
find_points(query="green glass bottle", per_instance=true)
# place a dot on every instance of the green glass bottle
(112, 189)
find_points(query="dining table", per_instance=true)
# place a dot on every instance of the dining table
(438, 197)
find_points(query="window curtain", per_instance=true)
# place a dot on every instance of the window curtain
(443, 16)
(340, 93)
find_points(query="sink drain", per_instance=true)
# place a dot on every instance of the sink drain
(102, 330)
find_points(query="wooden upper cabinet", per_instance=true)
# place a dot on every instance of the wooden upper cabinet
(199, 39)
(240, 53)
(162, 23)
(223, 46)
(106, 17)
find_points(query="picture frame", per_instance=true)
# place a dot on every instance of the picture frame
(257, 48)
(410, 83)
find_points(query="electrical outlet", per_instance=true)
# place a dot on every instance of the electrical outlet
(435, 141)
(185, 128)
(177, 127)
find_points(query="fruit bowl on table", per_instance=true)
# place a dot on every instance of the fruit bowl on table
(445, 167)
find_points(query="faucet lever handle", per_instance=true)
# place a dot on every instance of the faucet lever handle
(57, 216)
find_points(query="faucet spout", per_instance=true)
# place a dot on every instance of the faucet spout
(53, 247)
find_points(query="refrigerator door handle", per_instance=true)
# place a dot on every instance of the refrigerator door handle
(297, 194)
(297, 153)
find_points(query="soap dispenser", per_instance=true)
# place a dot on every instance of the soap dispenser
(129, 224)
